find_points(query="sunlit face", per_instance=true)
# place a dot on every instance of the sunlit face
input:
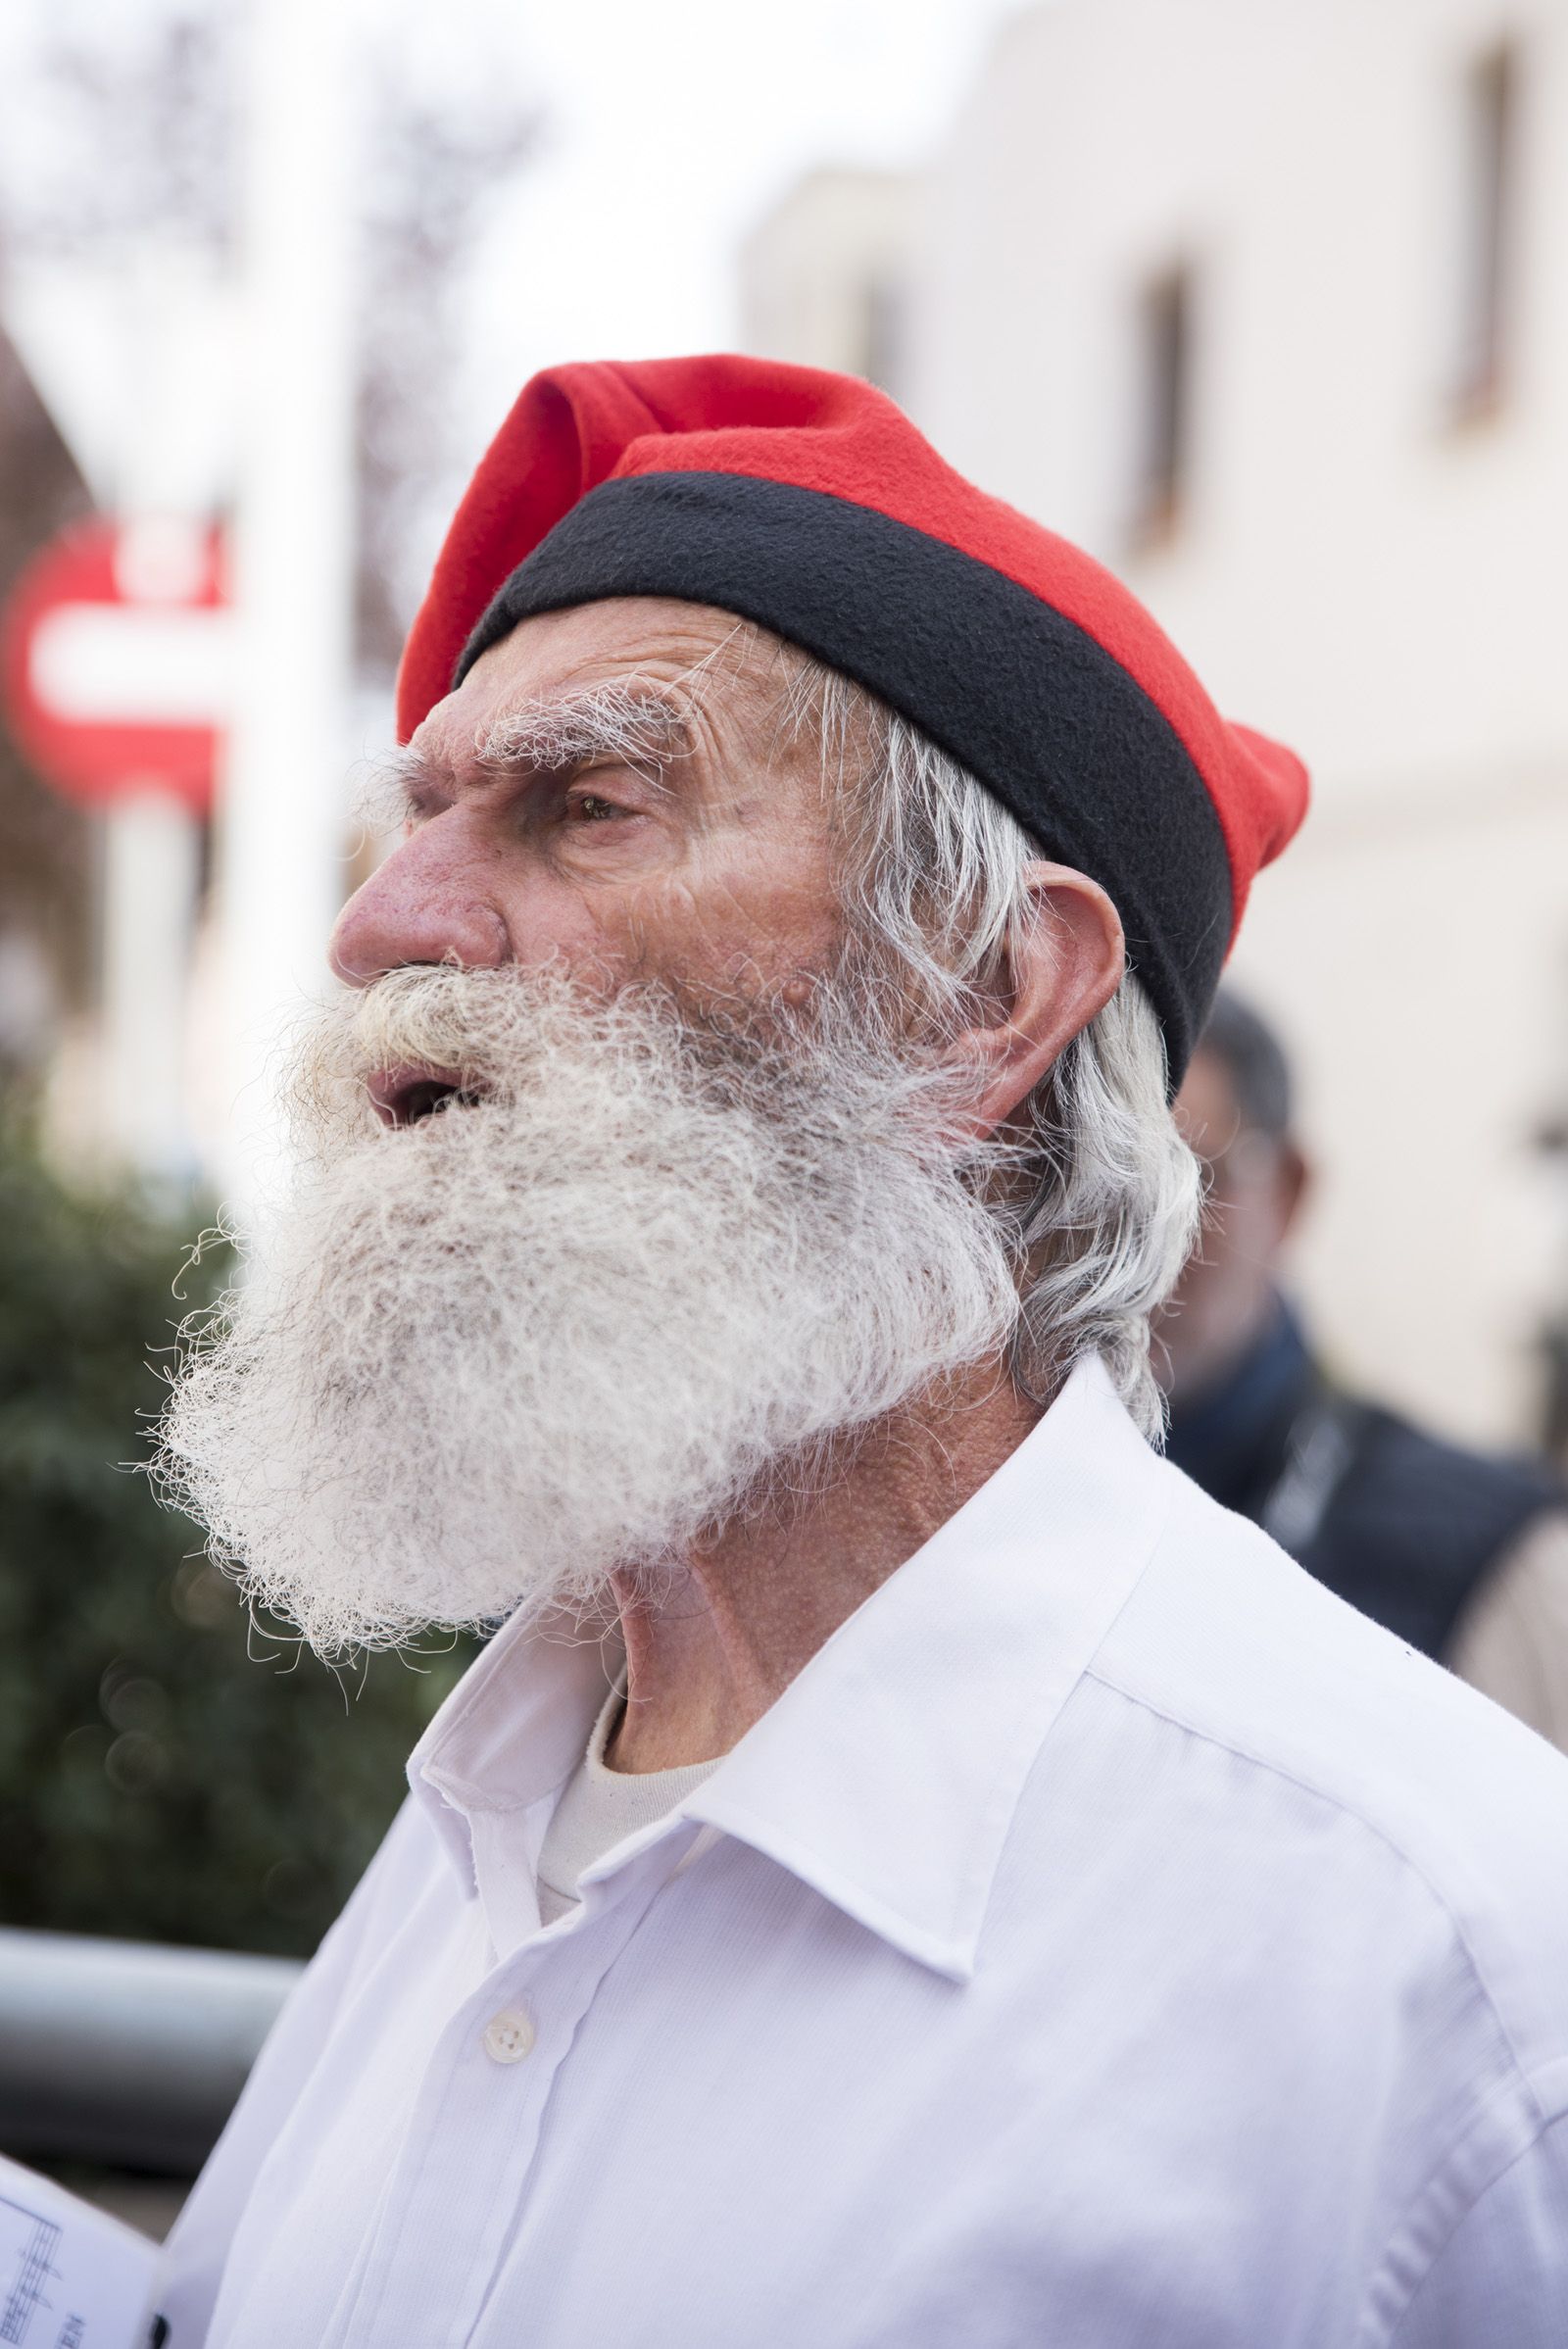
(531, 839)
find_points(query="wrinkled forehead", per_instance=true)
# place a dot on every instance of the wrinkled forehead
(686, 664)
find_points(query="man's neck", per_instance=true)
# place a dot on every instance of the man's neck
(709, 1651)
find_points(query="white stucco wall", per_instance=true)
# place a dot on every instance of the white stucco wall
(824, 276)
(1353, 572)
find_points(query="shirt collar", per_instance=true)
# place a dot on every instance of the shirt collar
(888, 1773)
(513, 1729)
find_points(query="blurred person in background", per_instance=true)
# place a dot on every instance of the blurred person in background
(1463, 1554)
(908, 1868)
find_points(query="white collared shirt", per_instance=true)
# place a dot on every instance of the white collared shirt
(1109, 1939)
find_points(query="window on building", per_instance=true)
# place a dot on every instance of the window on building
(1488, 172)
(1166, 368)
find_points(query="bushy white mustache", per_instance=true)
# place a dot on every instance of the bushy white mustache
(488, 1360)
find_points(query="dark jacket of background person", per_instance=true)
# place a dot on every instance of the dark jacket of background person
(1460, 1553)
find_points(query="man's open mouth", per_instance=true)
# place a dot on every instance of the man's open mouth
(405, 1097)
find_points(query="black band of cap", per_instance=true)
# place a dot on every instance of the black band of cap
(1018, 694)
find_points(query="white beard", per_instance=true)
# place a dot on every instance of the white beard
(483, 1362)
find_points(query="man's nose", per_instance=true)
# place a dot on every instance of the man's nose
(426, 903)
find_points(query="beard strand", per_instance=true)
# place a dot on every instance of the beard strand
(484, 1362)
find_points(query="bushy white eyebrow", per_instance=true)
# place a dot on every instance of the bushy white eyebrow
(624, 720)
(621, 720)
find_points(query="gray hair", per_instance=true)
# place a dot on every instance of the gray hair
(934, 879)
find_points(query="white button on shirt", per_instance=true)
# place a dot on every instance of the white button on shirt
(1110, 1939)
(509, 2037)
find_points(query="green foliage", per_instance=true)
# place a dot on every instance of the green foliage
(167, 1770)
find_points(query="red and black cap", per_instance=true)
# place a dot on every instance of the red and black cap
(809, 503)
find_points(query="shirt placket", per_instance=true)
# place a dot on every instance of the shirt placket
(473, 2143)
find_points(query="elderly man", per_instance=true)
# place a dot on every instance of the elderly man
(910, 1870)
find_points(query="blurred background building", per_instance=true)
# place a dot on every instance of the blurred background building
(1267, 306)
(828, 272)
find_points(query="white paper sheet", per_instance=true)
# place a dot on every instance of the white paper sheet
(71, 2278)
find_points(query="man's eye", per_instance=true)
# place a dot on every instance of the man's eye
(589, 809)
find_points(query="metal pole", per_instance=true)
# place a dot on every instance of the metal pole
(150, 879)
(152, 850)
(280, 821)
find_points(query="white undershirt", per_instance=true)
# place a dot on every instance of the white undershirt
(601, 1807)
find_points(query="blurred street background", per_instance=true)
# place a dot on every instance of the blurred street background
(1264, 302)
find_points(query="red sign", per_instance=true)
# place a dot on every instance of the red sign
(115, 655)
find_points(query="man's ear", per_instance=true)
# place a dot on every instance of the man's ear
(1061, 971)
(1295, 1183)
